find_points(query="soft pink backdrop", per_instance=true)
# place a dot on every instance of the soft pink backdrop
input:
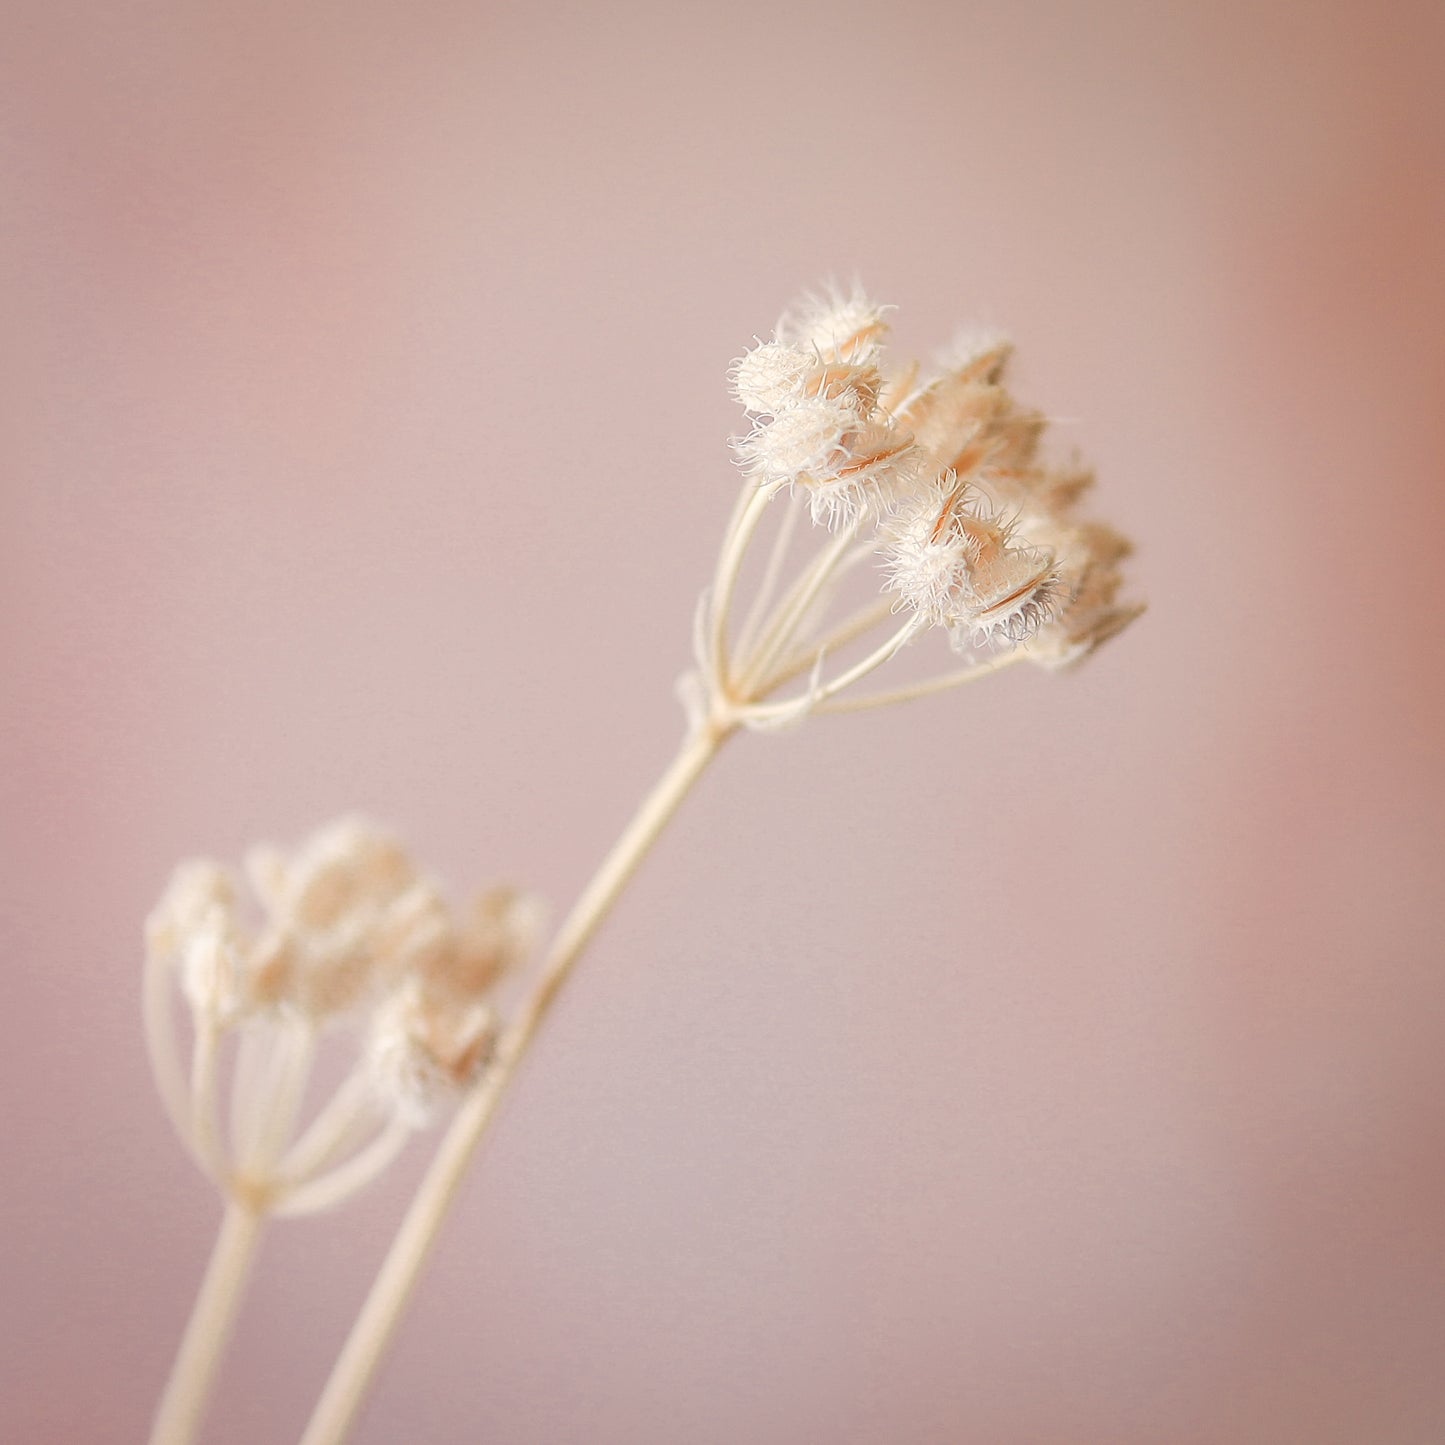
(1057, 1063)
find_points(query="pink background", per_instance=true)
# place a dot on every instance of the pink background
(1055, 1063)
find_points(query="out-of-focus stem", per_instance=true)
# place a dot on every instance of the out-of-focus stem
(178, 1416)
(340, 1121)
(325, 1190)
(356, 1365)
(165, 1061)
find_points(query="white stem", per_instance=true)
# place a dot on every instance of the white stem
(248, 1075)
(290, 1068)
(852, 628)
(356, 1365)
(794, 608)
(782, 540)
(764, 712)
(822, 597)
(205, 1127)
(160, 1034)
(927, 688)
(730, 562)
(178, 1416)
(346, 1179)
(345, 1114)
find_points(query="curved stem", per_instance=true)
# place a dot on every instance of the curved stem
(379, 1316)
(342, 1117)
(769, 711)
(926, 688)
(248, 1075)
(862, 621)
(204, 1127)
(179, 1414)
(165, 1058)
(729, 565)
(793, 609)
(769, 581)
(286, 1084)
(347, 1178)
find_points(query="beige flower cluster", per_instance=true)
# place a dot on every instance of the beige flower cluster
(347, 932)
(976, 534)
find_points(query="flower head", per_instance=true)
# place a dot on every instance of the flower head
(194, 924)
(845, 459)
(940, 475)
(952, 558)
(419, 1051)
(821, 430)
(431, 1036)
(838, 325)
(344, 930)
(774, 377)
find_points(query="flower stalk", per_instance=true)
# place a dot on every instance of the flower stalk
(932, 505)
(380, 1314)
(208, 1330)
(353, 943)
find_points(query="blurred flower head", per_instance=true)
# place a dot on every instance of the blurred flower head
(343, 935)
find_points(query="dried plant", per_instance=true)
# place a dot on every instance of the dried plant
(349, 939)
(929, 499)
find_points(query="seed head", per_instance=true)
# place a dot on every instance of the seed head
(950, 558)
(847, 461)
(345, 930)
(420, 1050)
(839, 326)
(976, 534)
(1089, 582)
(344, 916)
(342, 921)
(194, 924)
(1011, 597)
(773, 377)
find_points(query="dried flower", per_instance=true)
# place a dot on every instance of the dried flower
(839, 326)
(1089, 580)
(815, 389)
(194, 924)
(420, 1049)
(348, 932)
(976, 536)
(431, 1037)
(775, 376)
(935, 477)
